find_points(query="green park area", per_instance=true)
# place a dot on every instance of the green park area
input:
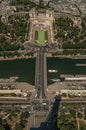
(41, 37)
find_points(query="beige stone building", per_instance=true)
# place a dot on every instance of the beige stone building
(41, 19)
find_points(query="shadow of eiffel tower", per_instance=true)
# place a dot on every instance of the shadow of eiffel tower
(52, 118)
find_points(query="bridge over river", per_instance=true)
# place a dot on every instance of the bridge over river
(41, 75)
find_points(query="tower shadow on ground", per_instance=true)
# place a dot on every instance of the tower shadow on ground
(52, 118)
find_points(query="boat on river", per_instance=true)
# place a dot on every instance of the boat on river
(52, 71)
(55, 80)
(80, 64)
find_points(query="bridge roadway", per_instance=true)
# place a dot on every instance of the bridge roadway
(41, 74)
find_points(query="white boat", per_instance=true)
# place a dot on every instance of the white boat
(55, 80)
(52, 71)
(76, 79)
(80, 64)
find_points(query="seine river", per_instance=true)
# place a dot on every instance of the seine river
(25, 68)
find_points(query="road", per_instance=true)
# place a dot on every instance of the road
(15, 100)
(41, 76)
(74, 100)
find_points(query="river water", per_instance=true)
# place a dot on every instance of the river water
(25, 68)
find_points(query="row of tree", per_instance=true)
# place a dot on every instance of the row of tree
(19, 126)
(69, 35)
(13, 34)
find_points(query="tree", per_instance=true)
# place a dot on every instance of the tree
(2, 127)
(18, 127)
(23, 122)
(25, 115)
(80, 115)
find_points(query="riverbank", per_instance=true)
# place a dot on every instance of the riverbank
(16, 58)
(48, 56)
(68, 56)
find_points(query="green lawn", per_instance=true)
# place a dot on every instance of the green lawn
(40, 37)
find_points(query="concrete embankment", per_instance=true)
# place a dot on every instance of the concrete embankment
(25, 87)
(48, 56)
(16, 58)
(69, 56)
